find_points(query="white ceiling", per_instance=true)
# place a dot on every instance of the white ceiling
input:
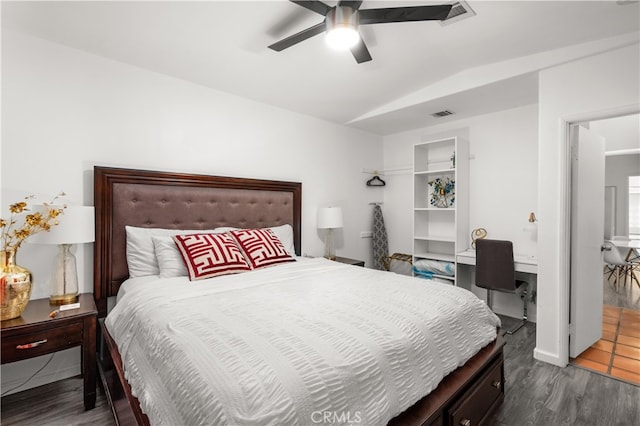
(223, 45)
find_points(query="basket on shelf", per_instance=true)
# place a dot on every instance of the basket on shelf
(399, 263)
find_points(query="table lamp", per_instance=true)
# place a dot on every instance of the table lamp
(329, 218)
(75, 226)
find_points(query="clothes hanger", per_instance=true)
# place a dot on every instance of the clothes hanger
(376, 181)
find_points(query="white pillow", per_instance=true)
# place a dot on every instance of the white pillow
(141, 255)
(170, 261)
(224, 229)
(285, 235)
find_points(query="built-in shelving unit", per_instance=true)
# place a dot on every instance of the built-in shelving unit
(440, 232)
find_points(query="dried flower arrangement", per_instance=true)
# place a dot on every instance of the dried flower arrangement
(444, 192)
(13, 236)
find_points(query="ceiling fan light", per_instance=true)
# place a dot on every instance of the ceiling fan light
(342, 28)
(342, 38)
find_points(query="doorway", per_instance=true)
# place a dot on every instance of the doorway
(605, 335)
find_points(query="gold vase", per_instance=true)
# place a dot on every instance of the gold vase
(15, 286)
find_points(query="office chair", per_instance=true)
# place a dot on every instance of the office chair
(495, 270)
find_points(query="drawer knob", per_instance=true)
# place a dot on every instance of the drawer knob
(497, 384)
(32, 344)
(465, 422)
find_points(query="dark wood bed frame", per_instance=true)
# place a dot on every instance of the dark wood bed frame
(155, 199)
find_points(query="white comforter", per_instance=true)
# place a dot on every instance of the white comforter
(303, 343)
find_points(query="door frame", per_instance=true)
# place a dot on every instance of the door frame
(564, 292)
(614, 192)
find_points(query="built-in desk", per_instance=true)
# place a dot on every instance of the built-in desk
(504, 303)
(526, 264)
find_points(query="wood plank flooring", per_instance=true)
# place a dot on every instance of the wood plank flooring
(536, 394)
(55, 404)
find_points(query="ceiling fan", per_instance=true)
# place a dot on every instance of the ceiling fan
(341, 23)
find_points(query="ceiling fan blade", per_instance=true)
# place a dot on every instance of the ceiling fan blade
(404, 14)
(360, 52)
(355, 5)
(298, 37)
(288, 23)
(314, 6)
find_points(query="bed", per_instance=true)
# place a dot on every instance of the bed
(359, 307)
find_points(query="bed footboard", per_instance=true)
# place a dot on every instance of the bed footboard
(468, 396)
(124, 406)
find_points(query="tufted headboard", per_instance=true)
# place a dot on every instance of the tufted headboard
(179, 201)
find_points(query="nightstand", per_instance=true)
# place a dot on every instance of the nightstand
(35, 334)
(348, 261)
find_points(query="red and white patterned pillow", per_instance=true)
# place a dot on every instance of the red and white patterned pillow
(210, 255)
(261, 247)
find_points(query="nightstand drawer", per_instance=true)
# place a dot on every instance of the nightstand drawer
(49, 340)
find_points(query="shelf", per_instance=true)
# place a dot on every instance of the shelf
(452, 280)
(438, 233)
(434, 172)
(446, 277)
(436, 256)
(435, 238)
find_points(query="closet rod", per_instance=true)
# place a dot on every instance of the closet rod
(383, 171)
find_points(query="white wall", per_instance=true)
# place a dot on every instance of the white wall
(64, 111)
(503, 186)
(618, 168)
(598, 85)
(621, 133)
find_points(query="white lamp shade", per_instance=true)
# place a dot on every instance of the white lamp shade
(329, 217)
(75, 226)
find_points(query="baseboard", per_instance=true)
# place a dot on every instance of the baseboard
(548, 357)
(64, 364)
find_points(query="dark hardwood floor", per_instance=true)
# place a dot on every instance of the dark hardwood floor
(536, 394)
(57, 404)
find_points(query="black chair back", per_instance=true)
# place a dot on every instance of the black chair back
(494, 265)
